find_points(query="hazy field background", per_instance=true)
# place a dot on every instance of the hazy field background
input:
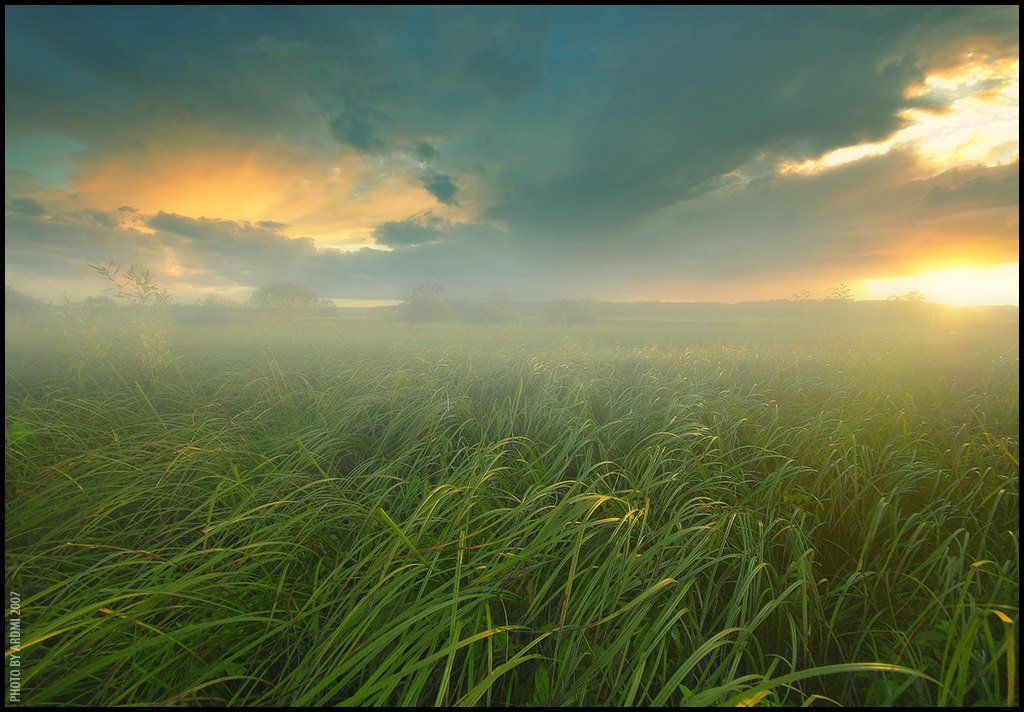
(633, 504)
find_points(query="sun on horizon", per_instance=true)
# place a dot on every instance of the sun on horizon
(956, 285)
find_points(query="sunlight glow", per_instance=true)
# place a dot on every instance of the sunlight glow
(955, 285)
(980, 126)
(335, 199)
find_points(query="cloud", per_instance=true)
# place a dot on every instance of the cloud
(604, 152)
(689, 108)
(417, 230)
(357, 131)
(425, 152)
(26, 206)
(741, 240)
(974, 187)
(440, 186)
(190, 255)
(336, 198)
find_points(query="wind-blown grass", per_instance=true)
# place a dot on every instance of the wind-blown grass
(364, 513)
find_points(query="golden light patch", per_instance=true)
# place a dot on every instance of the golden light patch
(836, 158)
(980, 127)
(365, 303)
(337, 200)
(958, 285)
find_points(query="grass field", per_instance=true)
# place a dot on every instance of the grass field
(355, 511)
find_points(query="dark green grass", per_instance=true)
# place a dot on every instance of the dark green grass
(354, 512)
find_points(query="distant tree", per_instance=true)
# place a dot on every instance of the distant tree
(284, 295)
(425, 302)
(802, 296)
(840, 292)
(913, 296)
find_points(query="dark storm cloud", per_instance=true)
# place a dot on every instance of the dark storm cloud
(440, 186)
(638, 88)
(705, 94)
(598, 136)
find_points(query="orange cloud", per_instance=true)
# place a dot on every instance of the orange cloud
(336, 199)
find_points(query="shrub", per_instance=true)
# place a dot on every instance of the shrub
(566, 312)
(496, 309)
(284, 295)
(425, 303)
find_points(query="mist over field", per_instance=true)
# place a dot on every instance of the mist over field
(503, 503)
(496, 356)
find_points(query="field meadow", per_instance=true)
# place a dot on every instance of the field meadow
(772, 508)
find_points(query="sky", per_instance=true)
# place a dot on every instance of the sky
(618, 153)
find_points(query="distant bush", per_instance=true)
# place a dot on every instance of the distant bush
(914, 296)
(96, 306)
(17, 304)
(496, 309)
(215, 301)
(213, 309)
(839, 293)
(425, 303)
(285, 295)
(568, 312)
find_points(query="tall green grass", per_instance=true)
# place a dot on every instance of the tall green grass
(363, 513)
